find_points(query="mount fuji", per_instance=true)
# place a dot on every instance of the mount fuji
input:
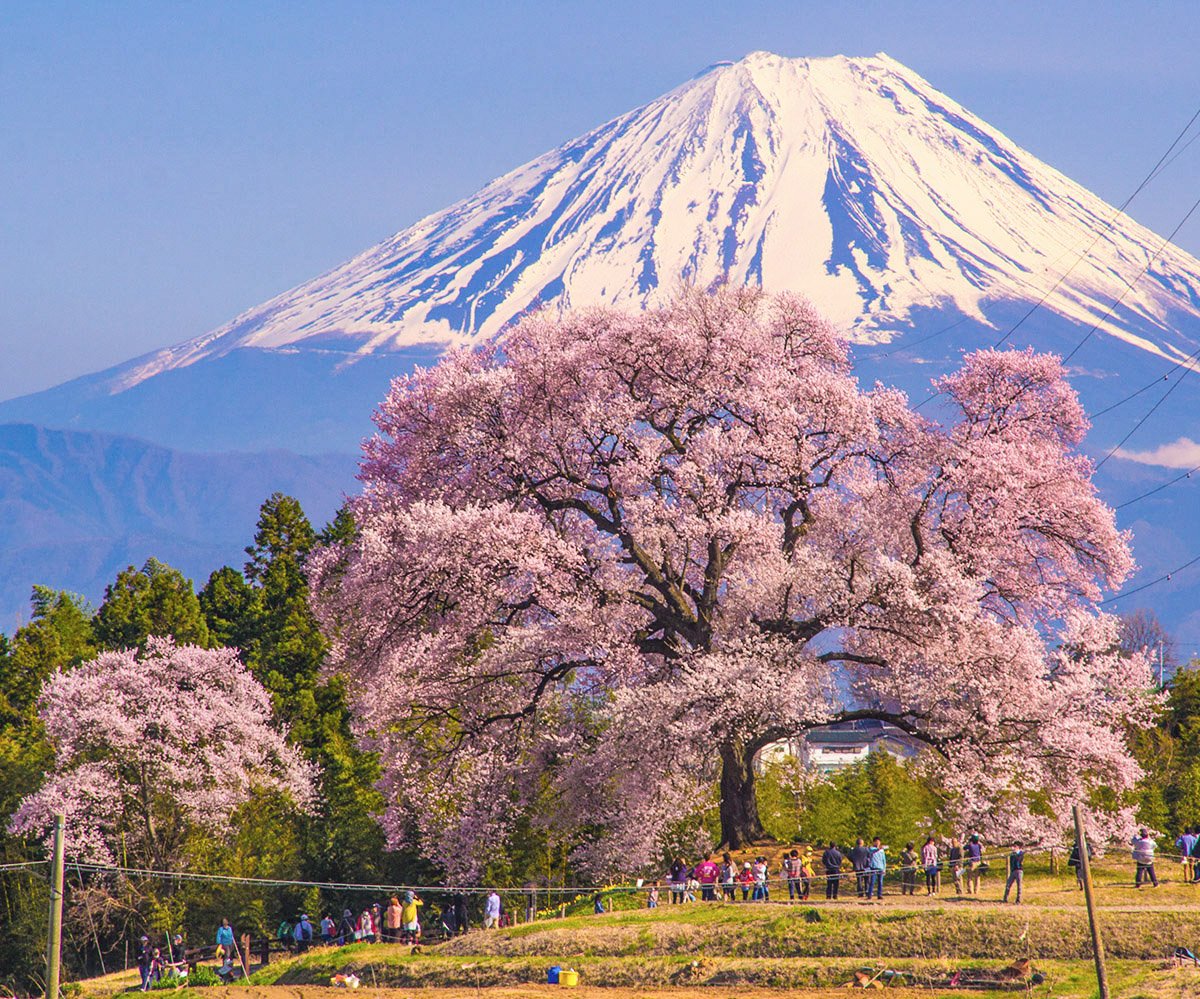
(915, 226)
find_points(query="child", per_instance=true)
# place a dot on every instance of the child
(693, 886)
(746, 879)
(652, 897)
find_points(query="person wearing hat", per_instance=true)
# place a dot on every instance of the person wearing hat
(975, 865)
(410, 924)
(746, 879)
(1143, 857)
(178, 954)
(303, 933)
(346, 928)
(143, 961)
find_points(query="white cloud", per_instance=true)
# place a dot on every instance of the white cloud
(1183, 453)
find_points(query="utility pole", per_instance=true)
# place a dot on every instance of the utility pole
(54, 935)
(1086, 868)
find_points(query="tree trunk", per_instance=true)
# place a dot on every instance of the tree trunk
(740, 825)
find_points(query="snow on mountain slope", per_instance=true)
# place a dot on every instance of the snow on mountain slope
(852, 181)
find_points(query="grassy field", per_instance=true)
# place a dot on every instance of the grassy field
(810, 948)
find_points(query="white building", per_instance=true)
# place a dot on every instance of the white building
(828, 750)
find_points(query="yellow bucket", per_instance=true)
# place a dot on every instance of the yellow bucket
(568, 978)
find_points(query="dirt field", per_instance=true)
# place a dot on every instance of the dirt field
(582, 992)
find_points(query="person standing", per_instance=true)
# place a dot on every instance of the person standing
(908, 870)
(366, 929)
(677, 880)
(860, 856)
(652, 896)
(1016, 871)
(974, 857)
(1074, 862)
(1143, 857)
(392, 920)
(346, 927)
(831, 860)
(746, 879)
(461, 918)
(491, 911)
(707, 873)
(791, 873)
(876, 867)
(1185, 843)
(328, 929)
(806, 871)
(156, 968)
(728, 875)
(303, 933)
(225, 938)
(410, 923)
(143, 962)
(225, 948)
(954, 857)
(760, 879)
(929, 860)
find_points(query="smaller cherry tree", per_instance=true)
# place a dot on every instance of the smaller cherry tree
(149, 745)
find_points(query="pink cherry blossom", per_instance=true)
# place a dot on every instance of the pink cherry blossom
(146, 743)
(604, 566)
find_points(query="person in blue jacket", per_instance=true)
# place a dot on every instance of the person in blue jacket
(876, 866)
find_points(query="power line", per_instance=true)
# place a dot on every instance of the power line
(1156, 489)
(1137, 426)
(1129, 285)
(94, 868)
(1154, 582)
(1154, 171)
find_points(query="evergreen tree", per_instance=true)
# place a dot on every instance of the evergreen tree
(265, 612)
(155, 600)
(232, 609)
(58, 635)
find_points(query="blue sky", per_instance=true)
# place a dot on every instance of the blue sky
(166, 165)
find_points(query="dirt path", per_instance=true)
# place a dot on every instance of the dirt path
(534, 991)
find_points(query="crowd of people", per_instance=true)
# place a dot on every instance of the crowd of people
(804, 868)
(398, 920)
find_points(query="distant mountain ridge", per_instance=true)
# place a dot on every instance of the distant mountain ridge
(76, 508)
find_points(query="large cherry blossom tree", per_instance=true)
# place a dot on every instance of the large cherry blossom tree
(150, 744)
(621, 554)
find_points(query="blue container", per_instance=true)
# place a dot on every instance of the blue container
(552, 974)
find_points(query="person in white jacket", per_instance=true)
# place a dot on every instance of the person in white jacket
(1143, 856)
(491, 911)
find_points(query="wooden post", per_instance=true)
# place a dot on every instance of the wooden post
(1086, 868)
(54, 930)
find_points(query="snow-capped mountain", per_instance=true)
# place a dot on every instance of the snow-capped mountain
(915, 226)
(853, 181)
